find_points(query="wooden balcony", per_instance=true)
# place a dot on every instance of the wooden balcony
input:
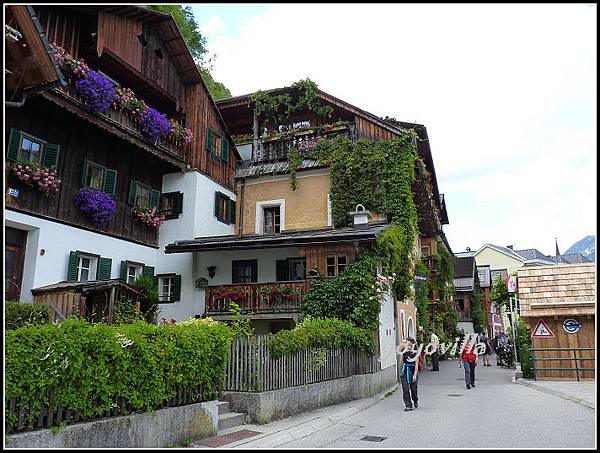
(277, 148)
(125, 123)
(253, 298)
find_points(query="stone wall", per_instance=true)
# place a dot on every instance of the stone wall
(162, 428)
(265, 407)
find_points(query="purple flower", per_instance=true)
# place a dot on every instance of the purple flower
(96, 91)
(99, 205)
(154, 124)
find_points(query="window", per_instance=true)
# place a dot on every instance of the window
(217, 145)
(224, 208)
(133, 272)
(425, 250)
(165, 288)
(335, 264)
(94, 177)
(272, 223)
(297, 268)
(460, 304)
(245, 271)
(172, 204)
(30, 149)
(142, 195)
(86, 268)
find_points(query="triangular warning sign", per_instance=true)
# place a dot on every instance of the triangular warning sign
(542, 330)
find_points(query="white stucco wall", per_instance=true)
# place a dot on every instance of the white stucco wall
(387, 332)
(197, 220)
(58, 240)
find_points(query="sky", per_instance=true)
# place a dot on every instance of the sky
(507, 93)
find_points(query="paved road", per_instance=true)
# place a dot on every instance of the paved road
(497, 413)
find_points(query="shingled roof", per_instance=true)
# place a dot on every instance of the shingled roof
(556, 288)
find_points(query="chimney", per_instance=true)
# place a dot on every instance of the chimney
(510, 247)
(360, 217)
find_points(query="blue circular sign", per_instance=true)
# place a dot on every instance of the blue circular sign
(571, 326)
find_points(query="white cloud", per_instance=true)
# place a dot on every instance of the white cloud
(213, 26)
(507, 92)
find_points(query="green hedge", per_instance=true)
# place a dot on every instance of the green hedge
(523, 349)
(320, 333)
(18, 314)
(86, 365)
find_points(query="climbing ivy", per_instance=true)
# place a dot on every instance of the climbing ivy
(423, 295)
(275, 109)
(321, 154)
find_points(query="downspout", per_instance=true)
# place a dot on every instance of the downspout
(242, 207)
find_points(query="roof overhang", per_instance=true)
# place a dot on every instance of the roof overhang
(285, 239)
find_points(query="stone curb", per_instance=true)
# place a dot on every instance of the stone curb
(556, 393)
(326, 419)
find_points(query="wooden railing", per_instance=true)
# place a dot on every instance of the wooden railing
(250, 367)
(125, 121)
(27, 415)
(277, 149)
(253, 297)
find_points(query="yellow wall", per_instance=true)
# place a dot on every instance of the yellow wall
(497, 260)
(306, 207)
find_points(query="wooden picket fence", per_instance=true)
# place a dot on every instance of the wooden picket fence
(30, 415)
(250, 367)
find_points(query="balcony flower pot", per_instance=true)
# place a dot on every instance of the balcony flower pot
(44, 179)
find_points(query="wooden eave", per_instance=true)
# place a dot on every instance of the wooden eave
(113, 127)
(40, 70)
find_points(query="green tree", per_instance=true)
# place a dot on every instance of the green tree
(185, 20)
(477, 310)
(499, 292)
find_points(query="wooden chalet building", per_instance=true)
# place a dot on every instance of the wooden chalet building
(49, 239)
(284, 235)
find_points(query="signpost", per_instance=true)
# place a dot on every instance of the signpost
(571, 326)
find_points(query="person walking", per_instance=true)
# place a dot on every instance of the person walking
(468, 358)
(409, 371)
(435, 355)
(488, 350)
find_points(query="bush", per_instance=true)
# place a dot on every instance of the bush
(86, 365)
(18, 314)
(320, 333)
(126, 312)
(523, 349)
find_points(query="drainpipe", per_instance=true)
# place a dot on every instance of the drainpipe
(15, 104)
(242, 207)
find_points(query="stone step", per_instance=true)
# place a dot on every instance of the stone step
(223, 407)
(231, 419)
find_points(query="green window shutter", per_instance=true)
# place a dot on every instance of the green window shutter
(72, 269)
(178, 203)
(104, 268)
(281, 271)
(154, 199)
(123, 271)
(131, 198)
(232, 211)
(225, 149)
(51, 155)
(148, 271)
(217, 205)
(110, 181)
(86, 165)
(209, 140)
(176, 293)
(13, 145)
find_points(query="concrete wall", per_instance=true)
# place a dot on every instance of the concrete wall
(264, 407)
(162, 428)
(387, 332)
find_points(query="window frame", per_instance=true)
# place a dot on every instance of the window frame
(336, 264)
(136, 274)
(34, 139)
(175, 210)
(135, 195)
(220, 215)
(276, 215)
(90, 166)
(235, 264)
(160, 279)
(259, 219)
(425, 253)
(92, 269)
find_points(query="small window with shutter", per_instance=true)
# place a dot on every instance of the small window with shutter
(169, 288)
(97, 177)
(143, 196)
(217, 144)
(25, 147)
(172, 204)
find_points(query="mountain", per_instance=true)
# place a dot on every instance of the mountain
(586, 247)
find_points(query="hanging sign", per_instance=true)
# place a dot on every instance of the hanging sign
(542, 331)
(571, 326)
(512, 284)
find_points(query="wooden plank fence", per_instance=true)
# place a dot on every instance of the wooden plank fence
(30, 415)
(250, 367)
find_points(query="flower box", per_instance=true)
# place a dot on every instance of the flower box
(44, 179)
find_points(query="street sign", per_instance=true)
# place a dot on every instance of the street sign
(571, 326)
(542, 331)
